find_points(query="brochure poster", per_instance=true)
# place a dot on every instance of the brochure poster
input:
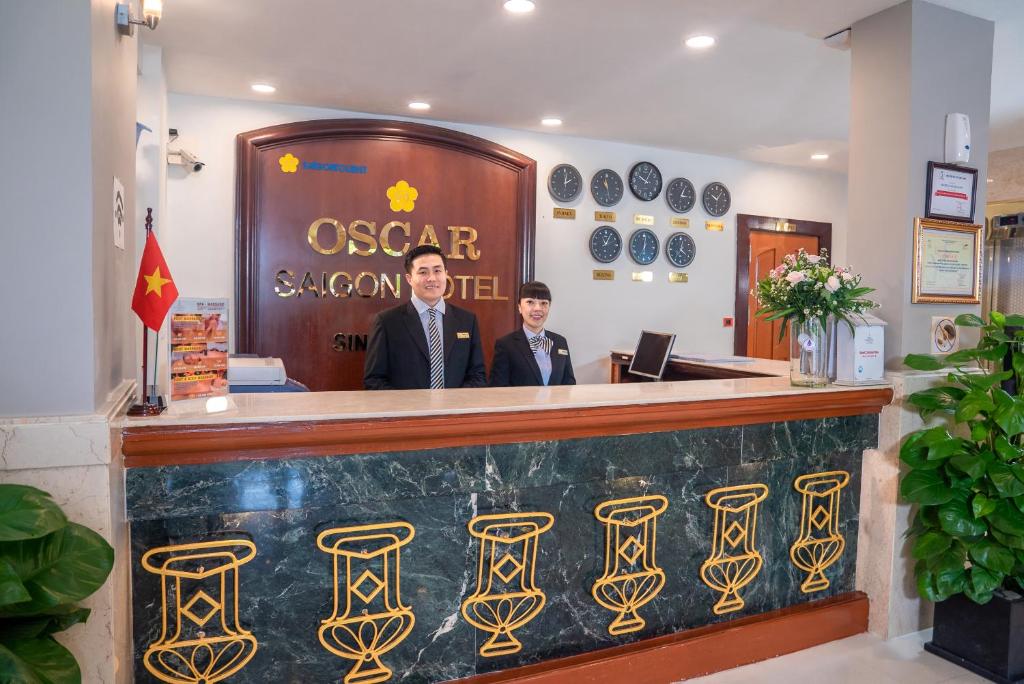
(199, 348)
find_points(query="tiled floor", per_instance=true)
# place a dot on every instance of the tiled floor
(861, 659)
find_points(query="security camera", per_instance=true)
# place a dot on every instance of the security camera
(186, 159)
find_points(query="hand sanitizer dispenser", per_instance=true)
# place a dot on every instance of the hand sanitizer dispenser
(860, 353)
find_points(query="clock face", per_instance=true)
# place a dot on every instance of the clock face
(645, 181)
(606, 187)
(605, 244)
(643, 246)
(565, 183)
(680, 195)
(716, 199)
(680, 250)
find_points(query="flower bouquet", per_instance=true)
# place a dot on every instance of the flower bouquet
(807, 294)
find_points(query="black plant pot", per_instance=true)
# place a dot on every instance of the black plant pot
(987, 640)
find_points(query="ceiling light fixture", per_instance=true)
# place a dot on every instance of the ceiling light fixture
(819, 156)
(421, 106)
(263, 88)
(551, 121)
(152, 10)
(700, 42)
(519, 6)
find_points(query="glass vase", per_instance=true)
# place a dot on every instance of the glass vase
(808, 353)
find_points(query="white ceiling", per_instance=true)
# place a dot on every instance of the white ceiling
(769, 91)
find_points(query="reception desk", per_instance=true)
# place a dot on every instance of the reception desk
(646, 532)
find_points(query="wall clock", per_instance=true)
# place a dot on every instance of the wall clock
(680, 249)
(606, 187)
(680, 195)
(645, 181)
(565, 183)
(643, 246)
(605, 244)
(716, 199)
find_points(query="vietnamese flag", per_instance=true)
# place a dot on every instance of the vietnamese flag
(154, 289)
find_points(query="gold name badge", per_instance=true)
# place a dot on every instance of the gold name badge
(676, 277)
(563, 352)
(716, 226)
(604, 275)
(679, 222)
(604, 216)
(462, 335)
(643, 220)
(563, 213)
(643, 276)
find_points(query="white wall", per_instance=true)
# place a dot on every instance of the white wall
(596, 316)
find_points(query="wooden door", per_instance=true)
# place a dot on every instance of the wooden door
(766, 251)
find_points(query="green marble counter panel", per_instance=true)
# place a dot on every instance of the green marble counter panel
(286, 590)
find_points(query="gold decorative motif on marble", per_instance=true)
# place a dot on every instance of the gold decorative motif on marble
(201, 640)
(734, 560)
(820, 543)
(368, 618)
(631, 576)
(506, 596)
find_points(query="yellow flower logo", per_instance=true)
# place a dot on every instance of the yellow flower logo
(403, 196)
(289, 163)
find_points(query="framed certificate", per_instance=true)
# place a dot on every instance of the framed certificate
(951, 191)
(947, 262)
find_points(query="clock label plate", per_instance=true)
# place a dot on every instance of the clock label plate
(715, 226)
(677, 277)
(603, 274)
(643, 220)
(679, 222)
(563, 213)
(643, 276)
(603, 216)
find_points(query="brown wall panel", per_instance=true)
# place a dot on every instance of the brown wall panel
(460, 181)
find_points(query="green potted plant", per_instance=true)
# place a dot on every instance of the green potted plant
(46, 564)
(967, 479)
(805, 292)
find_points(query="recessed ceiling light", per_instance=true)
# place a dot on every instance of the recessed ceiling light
(421, 106)
(519, 6)
(700, 42)
(551, 121)
(263, 88)
(819, 156)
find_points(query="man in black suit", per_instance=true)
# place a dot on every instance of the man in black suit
(427, 343)
(532, 355)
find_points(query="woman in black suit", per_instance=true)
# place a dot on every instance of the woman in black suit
(532, 355)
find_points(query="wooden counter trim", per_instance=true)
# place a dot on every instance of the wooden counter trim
(701, 651)
(188, 444)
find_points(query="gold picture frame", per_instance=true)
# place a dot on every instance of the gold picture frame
(947, 262)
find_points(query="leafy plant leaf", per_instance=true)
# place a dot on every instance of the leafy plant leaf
(11, 588)
(925, 487)
(931, 544)
(993, 556)
(926, 583)
(972, 404)
(1008, 540)
(31, 627)
(969, 464)
(1006, 518)
(985, 581)
(62, 567)
(981, 505)
(969, 320)
(38, 661)
(1016, 320)
(1005, 480)
(27, 513)
(924, 362)
(950, 574)
(956, 519)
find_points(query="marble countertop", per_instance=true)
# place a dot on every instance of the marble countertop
(358, 405)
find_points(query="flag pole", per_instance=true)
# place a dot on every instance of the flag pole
(145, 407)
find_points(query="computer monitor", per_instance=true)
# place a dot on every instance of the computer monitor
(651, 354)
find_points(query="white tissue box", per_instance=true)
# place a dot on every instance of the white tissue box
(256, 372)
